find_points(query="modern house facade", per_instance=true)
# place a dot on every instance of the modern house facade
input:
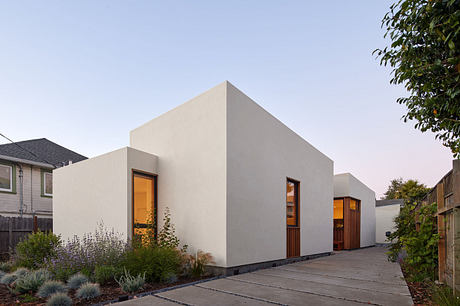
(238, 183)
(385, 213)
(354, 213)
(26, 179)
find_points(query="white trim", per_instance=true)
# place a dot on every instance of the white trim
(11, 179)
(44, 183)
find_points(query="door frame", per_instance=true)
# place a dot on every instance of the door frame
(154, 178)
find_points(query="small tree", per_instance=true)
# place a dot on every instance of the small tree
(425, 55)
(410, 190)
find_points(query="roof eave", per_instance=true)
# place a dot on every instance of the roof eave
(25, 161)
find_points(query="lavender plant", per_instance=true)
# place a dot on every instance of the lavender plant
(104, 247)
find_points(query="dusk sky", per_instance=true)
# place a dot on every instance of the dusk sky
(85, 73)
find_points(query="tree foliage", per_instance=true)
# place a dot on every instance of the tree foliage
(410, 190)
(425, 55)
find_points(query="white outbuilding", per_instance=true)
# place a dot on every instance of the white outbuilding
(238, 184)
(354, 213)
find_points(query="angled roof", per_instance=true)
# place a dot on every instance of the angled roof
(379, 203)
(40, 151)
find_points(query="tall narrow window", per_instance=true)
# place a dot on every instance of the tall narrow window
(292, 203)
(143, 202)
(6, 178)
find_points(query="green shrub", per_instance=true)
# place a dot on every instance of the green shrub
(31, 281)
(32, 252)
(7, 279)
(443, 295)
(59, 299)
(77, 280)
(51, 287)
(157, 262)
(21, 272)
(105, 274)
(6, 266)
(88, 291)
(130, 283)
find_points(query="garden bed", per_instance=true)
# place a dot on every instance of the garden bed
(109, 292)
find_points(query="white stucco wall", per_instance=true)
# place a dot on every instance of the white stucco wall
(97, 190)
(346, 185)
(384, 216)
(190, 142)
(261, 153)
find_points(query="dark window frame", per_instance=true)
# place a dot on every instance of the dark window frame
(154, 177)
(297, 200)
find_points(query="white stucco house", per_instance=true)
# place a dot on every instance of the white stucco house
(385, 213)
(354, 213)
(238, 183)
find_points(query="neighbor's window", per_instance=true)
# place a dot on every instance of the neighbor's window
(47, 184)
(292, 203)
(6, 178)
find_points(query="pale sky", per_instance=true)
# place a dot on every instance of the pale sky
(85, 73)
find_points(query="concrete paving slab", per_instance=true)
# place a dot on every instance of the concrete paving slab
(341, 291)
(275, 295)
(321, 279)
(148, 300)
(194, 295)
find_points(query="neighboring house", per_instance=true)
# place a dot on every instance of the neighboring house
(238, 182)
(354, 213)
(26, 187)
(385, 213)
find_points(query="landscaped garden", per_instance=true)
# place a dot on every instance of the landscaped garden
(98, 267)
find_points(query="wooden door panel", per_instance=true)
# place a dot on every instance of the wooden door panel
(293, 242)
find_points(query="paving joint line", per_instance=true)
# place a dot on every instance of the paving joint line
(171, 300)
(321, 283)
(359, 279)
(303, 291)
(242, 295)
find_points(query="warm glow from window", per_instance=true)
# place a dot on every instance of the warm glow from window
(143, 202)
(354, 204)
(291, 203)
(338, 209)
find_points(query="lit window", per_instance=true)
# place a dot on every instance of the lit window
(292, 203)
(6, 178)
(354, 205)
(47, 184)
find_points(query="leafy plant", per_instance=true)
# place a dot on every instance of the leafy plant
(32, 251)
(50, 287)
(83, 255)
(425, 55)
(21, 272)
(31, 281)
(27, 298)
(410, 191)
(130, 283)
(167, 235)
(6, 266)
(76, 280)
(156, 262)
(105, 274)
(421, 245)
(443, 295)
(8, 278)
(59, 299)
(88, 291)
(195, 265)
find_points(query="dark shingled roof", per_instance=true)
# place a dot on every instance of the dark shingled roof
(389, 202)
(46, 152)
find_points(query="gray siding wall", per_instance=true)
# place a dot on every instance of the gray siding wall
(33, 201)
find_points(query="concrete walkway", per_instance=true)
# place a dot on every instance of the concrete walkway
(345, 278)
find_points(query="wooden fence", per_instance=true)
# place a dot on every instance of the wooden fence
(447, 196)
(14, 229)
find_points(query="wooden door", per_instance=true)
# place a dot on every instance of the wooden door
(292, 219)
